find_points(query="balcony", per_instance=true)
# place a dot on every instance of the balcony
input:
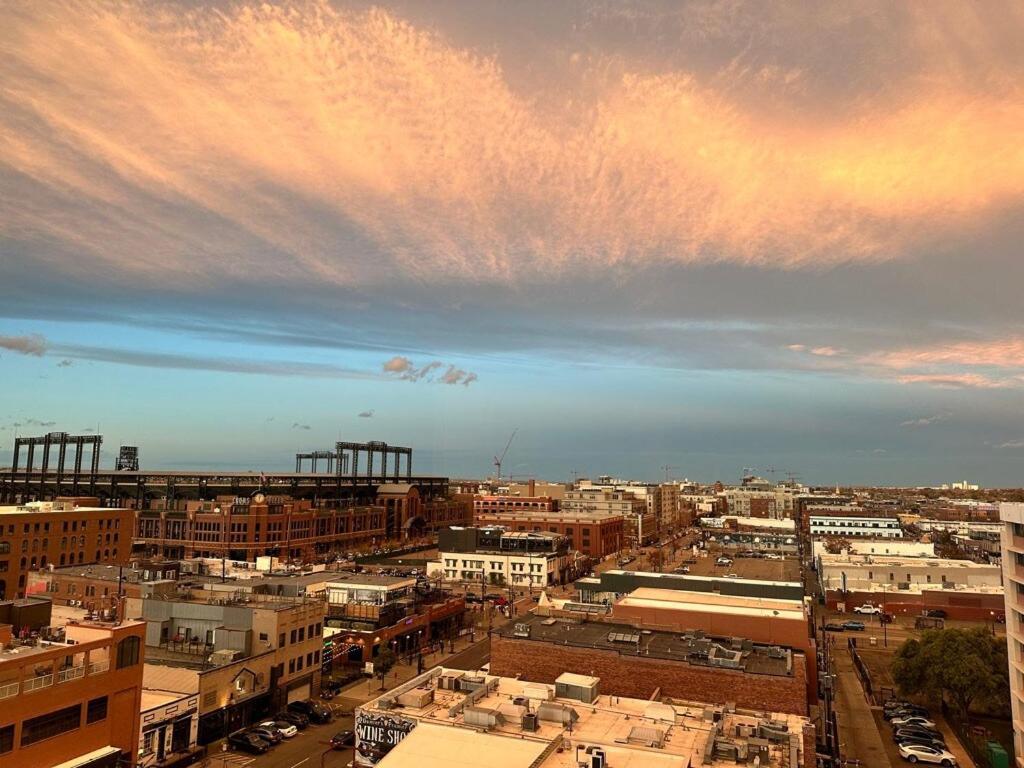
(99, 667)
(7, 690)
(36, 683)
(71, 673)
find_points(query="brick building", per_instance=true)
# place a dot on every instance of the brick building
(96, 587)
(76, 695)
(503, 505)
(246, 527)
(595, 534)
(61, 532)
(639, 664)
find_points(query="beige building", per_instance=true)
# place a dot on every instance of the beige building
(640, 522)
(459, 719)
(1012, 516)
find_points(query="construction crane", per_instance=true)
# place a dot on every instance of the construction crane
(497, 461)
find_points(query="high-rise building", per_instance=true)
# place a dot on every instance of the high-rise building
(1012, 515)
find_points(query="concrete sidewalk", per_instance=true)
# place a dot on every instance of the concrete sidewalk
(363, 691)
(858, 734)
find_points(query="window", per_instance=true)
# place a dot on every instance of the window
(128, 652)
(6, 738)
(294, 636)
(291, 666)
(280, 640)
(263, 636)
(147, 742)
(53, 724)
(96, 710)
(309, 659)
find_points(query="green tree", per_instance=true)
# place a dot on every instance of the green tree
(961, 666)
(384, 662)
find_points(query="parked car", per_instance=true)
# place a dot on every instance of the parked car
(682, 569)
(471, 598)
(248, 742)
(343, 739)
(317, 713)
(626, 561)
(915, 730)
(773, 556)
(918, 720)
(856, 626)
(287, 729)
(903, 709)
(834, 627)
(886, 618)
(920, 753)
(867, 608)
(495, 598)
(935, 613)
(269, 733)
(926, 741)
(723, 561)
(297, 719)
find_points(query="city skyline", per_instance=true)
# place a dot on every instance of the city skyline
(709, 235)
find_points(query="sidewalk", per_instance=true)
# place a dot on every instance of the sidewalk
(963, 758)
(362, 691)
(858, 734)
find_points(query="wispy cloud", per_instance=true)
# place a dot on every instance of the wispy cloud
(366, 414)
(32, 344)
(403, 368)
(297, 425)
(925, 421)
(65, 363)
(1012, 444)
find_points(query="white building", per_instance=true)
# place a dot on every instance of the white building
(873, 573)
(498, 557)
(855, 525)
(896, 547)
(1012, 516)
(169, 723)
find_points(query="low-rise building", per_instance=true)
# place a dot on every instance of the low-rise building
(855, 526)
(96, 587)
(500, 557)
(169, 727)
(595, 534)
(608, 586)
(640, 524)
(367, 613)
(69, 530)
(880, 546)
(910, 585)
(643, 662)
(452, 717)
(73, 695)
(204, 628)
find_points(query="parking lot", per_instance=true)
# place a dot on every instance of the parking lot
(747, 567)
(310, 747)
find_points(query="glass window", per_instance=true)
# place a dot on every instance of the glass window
(128, 652)
(52, 724)
(96, 710)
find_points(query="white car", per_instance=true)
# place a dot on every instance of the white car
(924, 722)
(867, 608)
(287, 729)
(723, 561)
(920, 753)
(772, 556)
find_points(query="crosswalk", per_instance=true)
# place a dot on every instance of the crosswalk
(229, 760)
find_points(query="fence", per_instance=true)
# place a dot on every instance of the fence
(972, 742)
(862, 670)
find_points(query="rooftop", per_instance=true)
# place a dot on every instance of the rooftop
(712, 602)
(692, 648)
(900, 561)
(47, 507)
(458, 716)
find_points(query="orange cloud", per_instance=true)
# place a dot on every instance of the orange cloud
(175, 146)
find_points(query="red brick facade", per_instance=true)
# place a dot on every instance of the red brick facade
(641, 677)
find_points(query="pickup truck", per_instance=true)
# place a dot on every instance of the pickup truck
(868, 608)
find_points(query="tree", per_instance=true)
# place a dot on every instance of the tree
(947, 546)
(962, 666)
(657, 559)
(836, 545)
(382, 665)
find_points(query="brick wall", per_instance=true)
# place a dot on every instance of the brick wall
(640, 677)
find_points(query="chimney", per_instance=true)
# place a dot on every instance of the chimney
(533, 488)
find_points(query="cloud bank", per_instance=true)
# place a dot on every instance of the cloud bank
(321, 144)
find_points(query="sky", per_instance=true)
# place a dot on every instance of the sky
(656, 238)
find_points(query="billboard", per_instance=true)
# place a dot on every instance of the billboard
(377, 733)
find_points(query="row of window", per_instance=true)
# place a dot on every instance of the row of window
(296, 664)
(54, 723)
(299, 634)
